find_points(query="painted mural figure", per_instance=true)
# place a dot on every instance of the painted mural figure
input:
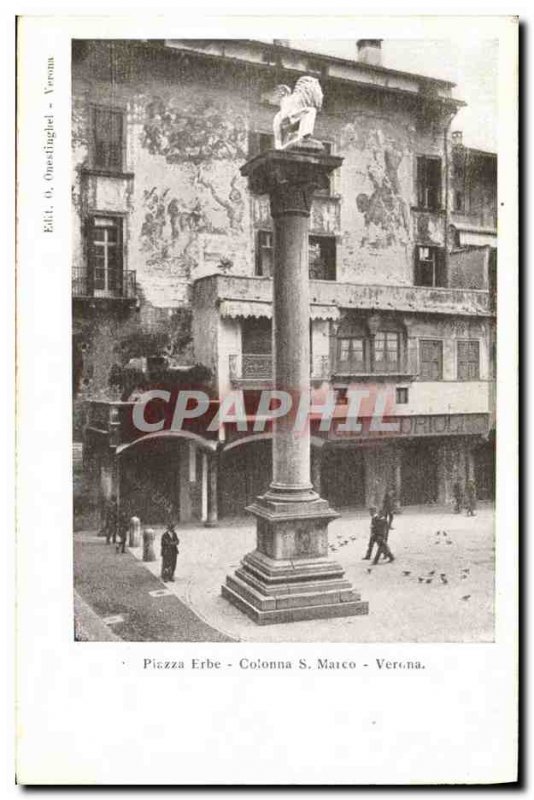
(296, 119)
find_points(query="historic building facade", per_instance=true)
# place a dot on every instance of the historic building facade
(173, 257)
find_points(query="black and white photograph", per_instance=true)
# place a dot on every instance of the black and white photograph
(267, 523)
(284, 306)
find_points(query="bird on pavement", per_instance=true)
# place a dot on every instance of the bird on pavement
(466, 597)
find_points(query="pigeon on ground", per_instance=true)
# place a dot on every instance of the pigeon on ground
(466, 597)
(406, 572)
(432, 572)
(449, 541)
(443, 579)
(420, 580)
(369, 570)
(428, 580)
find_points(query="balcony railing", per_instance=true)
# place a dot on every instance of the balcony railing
(331, 296)
(259, 367)
(89, 284)
(251, 366)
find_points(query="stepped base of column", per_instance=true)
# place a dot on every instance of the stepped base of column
(289, 577)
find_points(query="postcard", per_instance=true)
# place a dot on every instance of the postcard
(266, 401)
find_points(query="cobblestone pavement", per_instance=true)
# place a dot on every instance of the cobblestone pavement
(116, 591)
(439, 589)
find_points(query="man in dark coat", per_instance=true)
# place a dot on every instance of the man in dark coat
(378, 536)
(169, 553)
(388, 507)
(457, 493)
(111, 519)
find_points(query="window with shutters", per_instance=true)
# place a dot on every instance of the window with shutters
(108, 139)
(430, 360)
(351, 355)
(105, 255)
(429, 266)
(386, 352)
(264, 254)
(468, 360)
(429, 182)
(321, 254)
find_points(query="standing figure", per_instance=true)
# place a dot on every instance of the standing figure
(169, 553)
(457, 493)
(381, 537)
(388, 507)
(122, 531)
(378, 536)
(471, 498)
(111, 519)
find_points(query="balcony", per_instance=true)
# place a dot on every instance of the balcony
(87, 285)
(243, 296)
(257, 368)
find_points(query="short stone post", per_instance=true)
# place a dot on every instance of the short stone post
(134, 531)
(148, 545)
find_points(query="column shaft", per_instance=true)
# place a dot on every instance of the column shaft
(291, 338)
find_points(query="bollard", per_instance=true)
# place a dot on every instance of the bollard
(148, 545)
(134, 531)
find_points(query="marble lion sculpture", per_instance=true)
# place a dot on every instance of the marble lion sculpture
(298, 110)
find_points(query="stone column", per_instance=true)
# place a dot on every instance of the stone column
(289, 575)
(212, 519)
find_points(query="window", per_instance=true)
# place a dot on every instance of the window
(256, 336)
(105, 254)
(325, 188)
(321, 254)
(459, 201)
(351, 355)
(431, 360)
(386, 352)
(322, 258)
(428, 182)
(429, 266)
(468, 361)
(108, 139)
(401, 395)
(264, 254)
(359, 353)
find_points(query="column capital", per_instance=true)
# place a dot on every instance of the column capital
(290, 176)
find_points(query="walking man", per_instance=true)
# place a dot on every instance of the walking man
(169, 553)
(112, 519)
(378, 536)
(388, 507)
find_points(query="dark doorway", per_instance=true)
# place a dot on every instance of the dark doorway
(419, 479)
(343, 477)
(244, 473)
(150, 482)
(485, 471)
